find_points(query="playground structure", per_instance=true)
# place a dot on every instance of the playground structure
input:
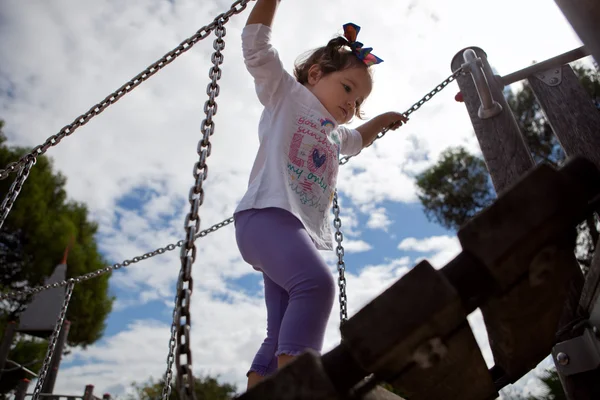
(517, 263)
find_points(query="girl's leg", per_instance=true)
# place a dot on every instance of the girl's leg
(276, 299)
(277, 243)
(265, 362)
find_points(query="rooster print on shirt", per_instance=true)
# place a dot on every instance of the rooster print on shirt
(313, 161)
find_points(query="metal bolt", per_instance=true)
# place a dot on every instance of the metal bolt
(554, 81)
(562, 358)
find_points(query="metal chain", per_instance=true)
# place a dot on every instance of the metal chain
(412, 109)
(90, 275)
(223, 223)
(53, 340)
(236, 8)
(14, 190)
(341, 265)
(181, 326)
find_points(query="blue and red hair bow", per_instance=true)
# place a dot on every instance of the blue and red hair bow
(351, 33)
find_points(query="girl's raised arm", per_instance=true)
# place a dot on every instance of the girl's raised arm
(263, 12)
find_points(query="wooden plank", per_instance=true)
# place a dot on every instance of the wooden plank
(461, 374)
(504, 150)
(384, 335)
(302, 379)
(583, 15)
(522, 324)
(571, 114)
(507, 235)
(380, 393)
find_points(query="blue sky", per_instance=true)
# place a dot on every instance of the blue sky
(132, 164)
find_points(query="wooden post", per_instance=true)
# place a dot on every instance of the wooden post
(21, 391)
(504, 150)
(571, 114)
(576, 123)
(9, 334)
(88, 393)
(584, 17)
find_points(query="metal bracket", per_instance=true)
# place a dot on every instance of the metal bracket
(551, 77)
(489, 107)
(579, 354)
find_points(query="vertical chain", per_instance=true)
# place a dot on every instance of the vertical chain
(53, 340)
(180, 329)
(341, 265)
(15, 189)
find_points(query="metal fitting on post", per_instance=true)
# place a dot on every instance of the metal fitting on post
(489, 107)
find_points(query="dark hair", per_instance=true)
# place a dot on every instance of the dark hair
(336, 56)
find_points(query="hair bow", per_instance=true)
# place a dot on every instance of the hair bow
(351, 33)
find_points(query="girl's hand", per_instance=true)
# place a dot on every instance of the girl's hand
(394, 120)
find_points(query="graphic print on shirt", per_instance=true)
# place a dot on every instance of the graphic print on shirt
(313, 161)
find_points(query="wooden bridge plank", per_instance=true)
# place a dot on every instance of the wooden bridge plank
(461, 374)
(383, 336)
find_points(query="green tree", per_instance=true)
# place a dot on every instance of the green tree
(206, 388)
(41, 224)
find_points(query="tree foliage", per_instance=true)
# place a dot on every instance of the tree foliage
(33, 239)
(206, 388)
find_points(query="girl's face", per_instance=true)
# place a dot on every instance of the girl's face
(340, 92)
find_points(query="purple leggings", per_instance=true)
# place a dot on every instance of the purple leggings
(299, 288)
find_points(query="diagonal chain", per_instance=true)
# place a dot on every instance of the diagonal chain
(15, 189)
(170, 247)
(202, 33)
(413, 108)
(94, 274)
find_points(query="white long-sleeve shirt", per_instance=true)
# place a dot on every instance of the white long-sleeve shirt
(300, 142)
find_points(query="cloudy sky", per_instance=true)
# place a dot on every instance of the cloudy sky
(132, 165)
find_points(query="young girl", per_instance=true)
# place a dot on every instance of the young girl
(283, 219)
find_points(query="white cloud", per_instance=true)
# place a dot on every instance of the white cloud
(148, 141)
(378, 218)
(439, 250)
(356, 246)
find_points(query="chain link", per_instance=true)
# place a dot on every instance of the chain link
(170, 247)
(53, 340)
(413, 108)
(14, 190)
(341, 265)
(90, 275)
(236, 8)
(181, 326)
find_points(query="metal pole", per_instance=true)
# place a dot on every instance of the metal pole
(545, 65)
(7, 339)
(22, 368)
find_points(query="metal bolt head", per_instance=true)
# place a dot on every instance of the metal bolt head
(562, 358)
(554, 81)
